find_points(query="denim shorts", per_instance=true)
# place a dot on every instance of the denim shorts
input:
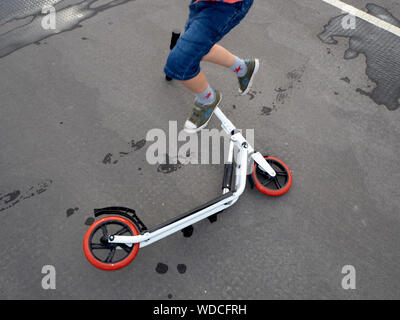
(207, 24)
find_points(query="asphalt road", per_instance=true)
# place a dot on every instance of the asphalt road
(75, 107)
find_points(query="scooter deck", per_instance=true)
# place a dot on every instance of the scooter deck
(190, 212)
(130, 214)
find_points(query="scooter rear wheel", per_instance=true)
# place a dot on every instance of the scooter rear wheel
(110, 256)
(273, 186)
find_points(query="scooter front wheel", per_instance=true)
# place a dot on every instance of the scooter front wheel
(273, 186)
(105, 255)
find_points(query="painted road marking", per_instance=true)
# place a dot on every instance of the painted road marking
(365, 16)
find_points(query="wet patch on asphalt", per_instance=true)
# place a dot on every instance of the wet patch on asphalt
(266, 111)
(284, 92)
(169, 166)
(71, 211)
(181, 268)
(162, 268)
(89, 221)
(346, 79)
(10, 199)
(381, 49)
(29, 14)
(113, 158)
(252, 94)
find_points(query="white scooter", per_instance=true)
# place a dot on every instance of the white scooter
(112, 242)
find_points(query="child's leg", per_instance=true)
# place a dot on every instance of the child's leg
(219, 55)
(205, 95)
(244, 69)
(198, 84)
(207, 99)
(207, 24)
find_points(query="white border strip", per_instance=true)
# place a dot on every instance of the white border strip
(365, 16)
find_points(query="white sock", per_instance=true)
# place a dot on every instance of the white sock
(239, 67)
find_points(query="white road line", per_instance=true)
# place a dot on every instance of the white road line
(365, 16)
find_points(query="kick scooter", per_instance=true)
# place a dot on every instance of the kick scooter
(113, 241)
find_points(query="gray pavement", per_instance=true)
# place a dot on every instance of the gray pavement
(71, 103)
